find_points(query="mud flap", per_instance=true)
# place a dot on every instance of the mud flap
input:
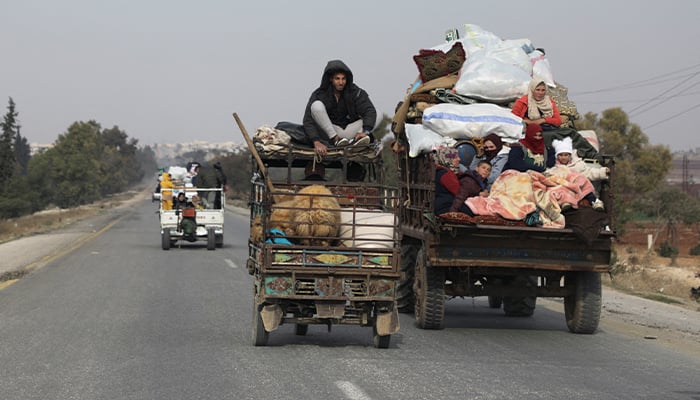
(330, 309)
(388, 322)
(271, 316)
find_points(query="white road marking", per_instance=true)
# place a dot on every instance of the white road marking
(231, 263)
(351, 391)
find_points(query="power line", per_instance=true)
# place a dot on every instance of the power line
(663, 93)
(636, 100)
(662, 100)
(641, 83)
(672, 116)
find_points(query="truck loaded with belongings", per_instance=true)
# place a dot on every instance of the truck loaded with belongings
(521, 241)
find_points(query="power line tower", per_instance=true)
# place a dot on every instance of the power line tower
(686, 188)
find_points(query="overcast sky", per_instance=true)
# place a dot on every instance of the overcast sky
(169, 71)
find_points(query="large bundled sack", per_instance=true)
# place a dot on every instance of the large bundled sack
(499, 74)
(423, 140)
(467, 121)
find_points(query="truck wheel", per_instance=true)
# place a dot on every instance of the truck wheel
(220, 240)
(582, 308)
(430, 293)
(519, 306)
(495, 301)
(211, 239)
(301, 329)
(260, 335)
(165, 239)
(405, 299)
(380, 341)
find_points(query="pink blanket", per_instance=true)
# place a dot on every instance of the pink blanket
(515, 194)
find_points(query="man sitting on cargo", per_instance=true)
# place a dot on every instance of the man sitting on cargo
(338, 112)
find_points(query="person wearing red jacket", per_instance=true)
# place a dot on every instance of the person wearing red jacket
(537, 107)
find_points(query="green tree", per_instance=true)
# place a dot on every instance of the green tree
(640, 167)
(22, 152)
(73, 168)
(7, 152)
(670, 208)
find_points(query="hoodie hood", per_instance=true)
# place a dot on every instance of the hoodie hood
(332, 67)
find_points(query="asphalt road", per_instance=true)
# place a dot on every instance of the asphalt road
(109, 315)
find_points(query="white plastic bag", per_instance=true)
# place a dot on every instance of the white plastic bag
(466, 121)
(490, 79)
(423, 140)
(541, 68)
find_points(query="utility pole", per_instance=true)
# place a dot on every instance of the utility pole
(686, 188)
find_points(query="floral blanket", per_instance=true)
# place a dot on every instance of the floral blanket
(516, 194)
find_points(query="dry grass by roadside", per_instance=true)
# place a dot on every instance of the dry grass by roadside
(55, 218)
(639, 272)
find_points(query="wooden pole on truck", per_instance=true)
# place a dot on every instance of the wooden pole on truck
(254, 151)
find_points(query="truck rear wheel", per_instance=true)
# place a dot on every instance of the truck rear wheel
(220, 240)
(495, 301)
(380, 341)
(521, 306)
(582, 308)
(165, 239)
(260, 335)
(301, 329)
(430, 293)
(211, 239)
(405, 299)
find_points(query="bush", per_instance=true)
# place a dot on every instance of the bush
(695, 251)
(666, 250)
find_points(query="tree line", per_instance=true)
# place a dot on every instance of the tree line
(85, 164)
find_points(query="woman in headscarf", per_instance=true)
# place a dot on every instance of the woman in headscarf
(495, 154)
(530, 153)
(446, 181)
(536, 107)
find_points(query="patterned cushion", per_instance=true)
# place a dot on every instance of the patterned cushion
(461, 218)
(436, 63)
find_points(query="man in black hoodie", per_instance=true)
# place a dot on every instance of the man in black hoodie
(338, 112)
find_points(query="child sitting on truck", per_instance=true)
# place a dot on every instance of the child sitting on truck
(471, 183)
(563, 150)
(454, 187)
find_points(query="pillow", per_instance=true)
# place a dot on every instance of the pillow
(372, 229)
(436, 63)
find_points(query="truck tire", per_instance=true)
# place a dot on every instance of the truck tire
(211, 239)
(260, 335)
(495, 301)
(582, 308)
(405, 299)
(165, 239)
(519, 306)
(220, 240)
(380, 341)
(301, 329)
(429, 290)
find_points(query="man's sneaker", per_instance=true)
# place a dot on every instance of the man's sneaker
(598, 205)
(342, 142)
(364, 140)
